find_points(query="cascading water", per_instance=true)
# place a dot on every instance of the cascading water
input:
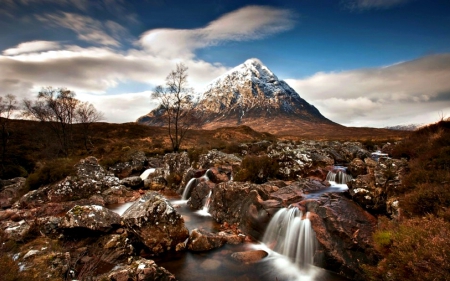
(146, 173)
(339, 175)
(205, 210)
(291, 235)
(192, 182)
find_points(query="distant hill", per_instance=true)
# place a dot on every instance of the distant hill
(410, 127)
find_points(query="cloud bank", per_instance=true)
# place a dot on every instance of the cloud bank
(375, 96)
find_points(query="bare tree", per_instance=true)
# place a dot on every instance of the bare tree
(176, 100)
(86, 114)
(8, 106)
(57, 108)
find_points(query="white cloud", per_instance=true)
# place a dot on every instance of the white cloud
(362, 5)
(87, 29)
(30, 47)
(403, 92)
(248, 23)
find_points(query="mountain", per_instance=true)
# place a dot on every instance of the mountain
(250, 94)
(410, 127)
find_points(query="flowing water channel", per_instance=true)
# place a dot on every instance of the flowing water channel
(289, 242)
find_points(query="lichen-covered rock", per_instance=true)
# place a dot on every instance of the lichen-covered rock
(17, 231)
(93, 217)
(373, 190)
(200, 240)
(357, 167)
(10, 190)
(215, 158)
(139, 270)
(156, 223)
(199, 191)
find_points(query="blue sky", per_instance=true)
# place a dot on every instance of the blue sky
(360, 62)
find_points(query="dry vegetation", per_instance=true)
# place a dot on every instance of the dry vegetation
(416, 247)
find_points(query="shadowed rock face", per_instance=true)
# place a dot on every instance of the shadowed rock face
(156, 223)
(250, 94)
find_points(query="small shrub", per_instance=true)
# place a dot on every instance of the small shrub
(257, 169)
(232, 147)
(49, 172)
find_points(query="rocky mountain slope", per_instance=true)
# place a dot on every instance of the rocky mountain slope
(250, 94)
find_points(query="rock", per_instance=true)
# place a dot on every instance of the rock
(200, 240)
(17, 231)
(373, 190)
(357, 167)
(344, 232)
(140, 270)
(119, 195)
(287, 195)
(155, 222)
(219, 174)
(93, 218)
(199, 191)
(10, 191)
(133, 182)
(136, 164)
(30, 253)
(215, 158)
(210, 264)
(249, 257)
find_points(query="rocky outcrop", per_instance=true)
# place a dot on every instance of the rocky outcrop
(132, 182)
(139, 270)
(91, 218)
(156, 223)
(376, 190)
(344, 232)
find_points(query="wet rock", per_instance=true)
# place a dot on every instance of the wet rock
(155, 222)
(92, 218)
(10, 191)
(199, 191)
(200, 240)
(210, 264)
(219, 174)
(156, 180)
(242, 204)
(344, 232)
(249, 257)
(287, 195)
(132, 182)
(140, 270)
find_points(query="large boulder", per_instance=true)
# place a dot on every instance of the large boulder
(91, 218)
(215, 158)
(344, 232)
(156, 223)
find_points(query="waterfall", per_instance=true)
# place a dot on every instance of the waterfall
(187, 189)
(291, 235)
(191, 184)
(339, 175)
(205, 210)
(146, 173)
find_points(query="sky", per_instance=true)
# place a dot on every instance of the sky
(362, 63)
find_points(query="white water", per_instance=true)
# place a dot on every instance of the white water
(120, 209)
(205, 210)
(147, 172)
(190, 185)
(339, 175)
(292, 236)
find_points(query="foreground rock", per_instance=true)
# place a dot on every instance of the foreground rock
(140, 270)
(156, 223)
(200, 240)
(249, 256)
(89, 218)
(344, 232)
